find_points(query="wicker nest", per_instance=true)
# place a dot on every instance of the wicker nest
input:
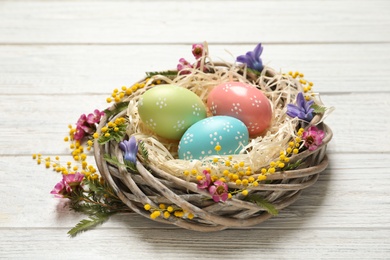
(160, 181)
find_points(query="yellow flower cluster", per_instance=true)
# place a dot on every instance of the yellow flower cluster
(284, 157)
(242, 175)
(111, 127)
(167, 211)
(79, 155)
(67, 168)
(75, 145)
(228, 171)
(306, 85)
(118, 95)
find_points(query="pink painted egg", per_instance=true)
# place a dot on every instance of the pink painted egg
(244, 102)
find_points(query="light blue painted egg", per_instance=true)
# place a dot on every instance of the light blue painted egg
(201, 138)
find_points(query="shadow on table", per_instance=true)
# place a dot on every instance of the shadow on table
(303, 215)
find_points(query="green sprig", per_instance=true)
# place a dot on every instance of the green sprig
(144, 152)
(116, 109)
(318, 109)
(292, 166)
(261, 202)
(98, 201)
(114, 161)
(114, 135)
(87, 224)
(167, 73)
(99, 197)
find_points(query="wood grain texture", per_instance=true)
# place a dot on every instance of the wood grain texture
(90, 69)
(140, 22)
(59, 59)
(331, 203)
(124, 243)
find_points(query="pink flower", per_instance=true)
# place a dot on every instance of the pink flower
(205, 182)
(184, 65)
(79, 134)
(72, 181)
(82, 122)
(82, 128)
(95, 117)
(67, 185)
(219, 191)
(313, 137)
(197, 50)
(86, 124)
(59, 190)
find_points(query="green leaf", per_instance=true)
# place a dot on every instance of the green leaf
(144, 152)
(103, 139)
(87, 224)
(88, 208)
(114, 135)
(292, 166)
(113, 160)
(256, 72)
(261, 202)
(94, 185)
(131, 166)
(118, 107)
(318, 109)
(168, 73)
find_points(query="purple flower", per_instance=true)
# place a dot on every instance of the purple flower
(219, 191)
(130, 148)
(302, 109)
(313, 137)
(252, 58)
(205, 182)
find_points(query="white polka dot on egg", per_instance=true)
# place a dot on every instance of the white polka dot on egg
(228, 132)
(244, 102)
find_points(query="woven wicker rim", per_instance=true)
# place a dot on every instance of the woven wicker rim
(155, 186)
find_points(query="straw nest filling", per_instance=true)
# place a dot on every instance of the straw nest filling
(280, 89)
(160, 179)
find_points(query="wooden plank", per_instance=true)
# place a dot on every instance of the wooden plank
(135, 22)
(59, 59)
(331, 203)
(45, 119)
(99, 69)
(181, 244)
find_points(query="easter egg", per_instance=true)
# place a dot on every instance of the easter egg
(243, 102)
(169, 110)
(201, 139)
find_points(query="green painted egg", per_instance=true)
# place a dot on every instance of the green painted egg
(169, 110)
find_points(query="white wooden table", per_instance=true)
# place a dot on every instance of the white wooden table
(60, 59)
